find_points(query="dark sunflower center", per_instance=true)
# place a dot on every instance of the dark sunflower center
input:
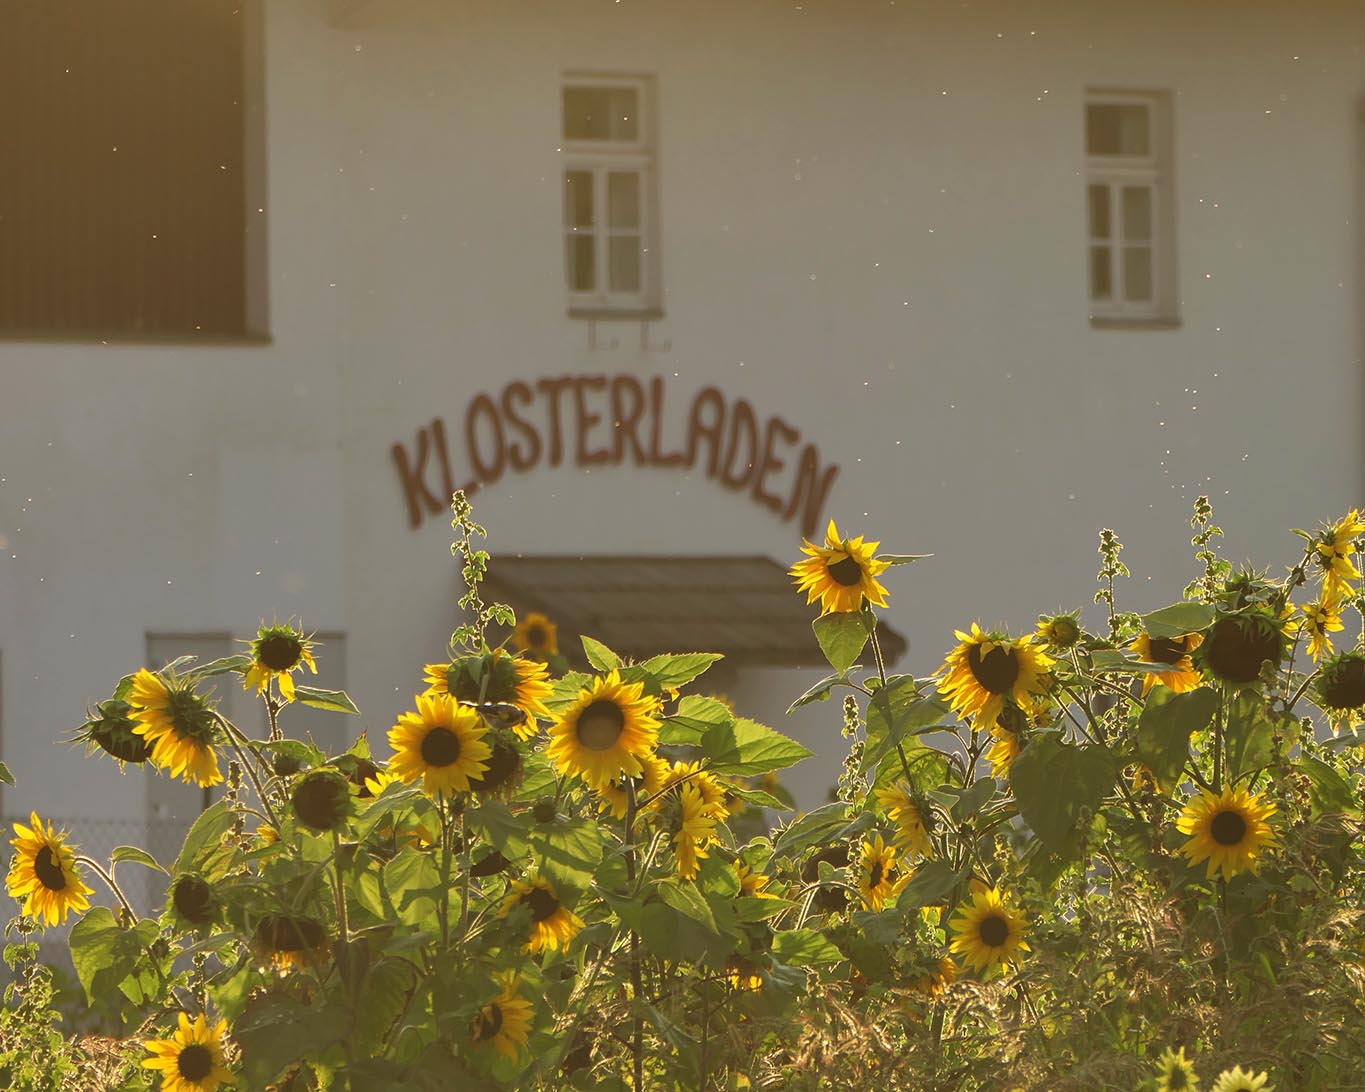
(1177, 1079)
(501, 681)
(440, 747)
(846, 572)
(875, 876)
(1166, 650)
(284, 934)
(280, 652)
(195, 1062)
(48, 869)
(543, 905)
(193, 900)
(1343, 685)
(996, 671)
(536, 637)
(1238, 647)
(490, 1022)
(321, 801)
(600, 725)
(1228, 828)
(994, 931)
(503, 765)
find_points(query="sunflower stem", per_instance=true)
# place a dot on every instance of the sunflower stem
(466, 852)
(233, 732)
(339, 866)
(637, 1033)
(108, 879)
(443, 905)
(272, 709)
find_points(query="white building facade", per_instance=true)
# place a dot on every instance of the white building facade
(671, 279)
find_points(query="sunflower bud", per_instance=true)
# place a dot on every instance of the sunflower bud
(193, 899)
(322, 800)
(544, 810)
(1239, 643)
(111, 728)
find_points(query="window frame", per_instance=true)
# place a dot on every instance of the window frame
(599, 159)
(1152, 172)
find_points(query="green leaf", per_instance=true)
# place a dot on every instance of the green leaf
(1165, 727)
(1327, 789)
(206, 850)
(804, 948)
(6, 778)
(819, 692)
(104, 953)
(1178, 620)
(1249, 734)
(684, 1048)
(1054, 782)
(806, 830)
(275, 1032)
(136, 854)
(686, 899)
(932, 884)
(671, 934)
(842, 638)
(972, 800)
(414, 884)
(901, 559)
(896, 713)
(239, 663)
(675, 670)
(334, 701)
(381, 1000)
(568, 850)
(745, 747)
(696, 716)
(599, 655)
(506, 832)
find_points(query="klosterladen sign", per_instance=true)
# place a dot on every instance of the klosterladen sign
(597, 420)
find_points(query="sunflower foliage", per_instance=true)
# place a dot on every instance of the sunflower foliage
(1122, 857)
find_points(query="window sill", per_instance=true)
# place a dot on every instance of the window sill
(1134, 322)
(123, 337)
(610, 314)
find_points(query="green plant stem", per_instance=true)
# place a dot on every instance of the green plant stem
(233, 733)
(638, 1031)
(339, 867)
(466, 853)
(109, 883)
(443, 904)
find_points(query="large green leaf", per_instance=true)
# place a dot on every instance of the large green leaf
(206, 850)
(1327, 789)
(745, 747)
(274, 1032)
(819, 692)
(334, 701)
(568, 850)
(842, 638)
(1165, 727)
(896, 714)
(812, 827)
(1249, 734)
(696, 716)
(971, 800)
(804, 948)
(599, 655)
(1054, 781)
(675, 670)
(671, 934)
(135, 854)
(104, 953)
(387, 986)
(1178, 619)
(932, 883)
(686, 899)
(506, 832)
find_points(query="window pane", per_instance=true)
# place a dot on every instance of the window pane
(1137, 274)
(1111, 129)
(625, 263)
(1137, 212)
(1101, 287)
(578, 199)
(623, 199)
(580, 263)
(1099, 212)
(601, 113)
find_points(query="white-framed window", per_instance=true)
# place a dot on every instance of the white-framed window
(1130, 223)
(610, 144)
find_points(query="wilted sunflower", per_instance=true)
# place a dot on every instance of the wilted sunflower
(649, 783)
(110, 726)
(537, 635)
(1340, 686)
(1228, 830)
(288, 941)
(442, 743)
(1336, 546)
(606, 733)
(695, 830)
(841, 573)
(1321, 618)
(191, 1060)
(1060, 631)
(911, 817)
(276, 653)
(193, 900)
(1238, 1079)
(43, 873)
(322, 800)
(493, 680)
(1238, 644)
(877, 880)
(986, 932)
(179, 725)
(1169, 650)
(505, 1022)
(553, 924)
(1175, 1072)
(986, 668)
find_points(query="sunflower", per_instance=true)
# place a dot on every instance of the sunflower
(553, 924)
(288, 941)
(322, 800)
(1175, 1073)
(1060, 631)
(276, 653)
(110, 727)
(442, 743)
(877, 872)
(1002, 753)
(696, 829)
(1169, 650)
(505, 1022)
(713, 793)
(191, 1060)
(987, 932)
(840, 574)
(912, 818)
(43, 873)
(751, 883)
(1238, 644)
(506, 766)
(179, 725)
(934, 978)
(1228, 830)
(1319, 620)
(537, 635)
(985, 668)
(1336, 545)
(192, 900)
(1340, 686)
(494, 680)
(1238, 1079)
(652, 780)
(606, 733)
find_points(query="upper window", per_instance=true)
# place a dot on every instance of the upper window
(125, 190)
(611, 259)
(1129, 219)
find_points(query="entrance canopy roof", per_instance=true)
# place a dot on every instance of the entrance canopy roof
(744, 607)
